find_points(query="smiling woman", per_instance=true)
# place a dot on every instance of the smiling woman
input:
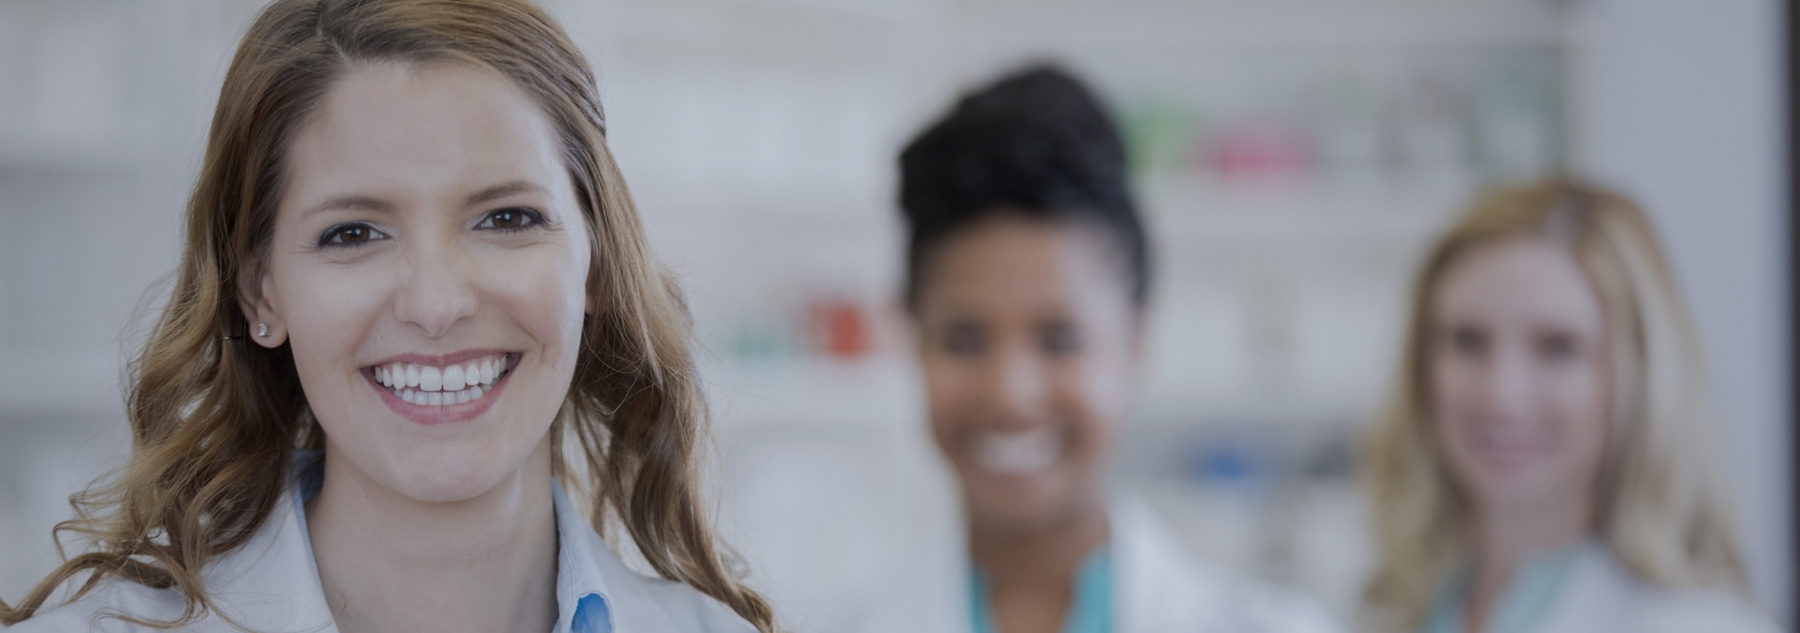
(415, 306)
(1545, 463)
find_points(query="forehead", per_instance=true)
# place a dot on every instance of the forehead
(1016, 263)
(408, 127)
(1518, 280)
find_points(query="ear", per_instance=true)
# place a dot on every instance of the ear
(1140, 337)
(256, 298)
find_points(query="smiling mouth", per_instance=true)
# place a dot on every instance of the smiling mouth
(430, 386)
(1018, 452)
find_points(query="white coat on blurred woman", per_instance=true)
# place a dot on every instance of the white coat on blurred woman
(1158, 585)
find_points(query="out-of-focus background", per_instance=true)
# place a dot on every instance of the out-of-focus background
(1292, 156)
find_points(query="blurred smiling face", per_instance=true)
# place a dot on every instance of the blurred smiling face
(1519, 381)
(1029, 344)
(429, 267)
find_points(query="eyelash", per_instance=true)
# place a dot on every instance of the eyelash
(532, 219)
(332, 236)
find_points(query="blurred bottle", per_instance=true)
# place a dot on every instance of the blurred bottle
(839, 329)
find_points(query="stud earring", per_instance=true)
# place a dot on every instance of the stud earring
(262, 329)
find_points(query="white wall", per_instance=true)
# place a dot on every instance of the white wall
(1678, 102)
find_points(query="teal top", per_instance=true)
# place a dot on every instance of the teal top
(1091, 611)
(1522, 605)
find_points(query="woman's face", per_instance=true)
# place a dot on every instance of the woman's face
(1519, 377)
(428, 267)
(1029, 343)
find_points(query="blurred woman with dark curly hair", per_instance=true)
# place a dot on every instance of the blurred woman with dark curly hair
(1028, 273)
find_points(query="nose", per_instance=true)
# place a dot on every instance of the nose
(1016, 384)
(436, 291)
(1508, 385)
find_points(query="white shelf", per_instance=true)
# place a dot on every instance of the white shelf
(1191, 208)
(877, 392)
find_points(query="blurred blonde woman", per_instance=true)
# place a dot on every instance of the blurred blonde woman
(1545, 464)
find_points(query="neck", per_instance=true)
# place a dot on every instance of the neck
(1031, 572)
(1507, 537)
(392, 563)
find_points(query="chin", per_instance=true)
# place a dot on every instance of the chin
(1016, 502)
(449, 473)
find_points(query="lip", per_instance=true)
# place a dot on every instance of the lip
(426, 415)
(442, 360)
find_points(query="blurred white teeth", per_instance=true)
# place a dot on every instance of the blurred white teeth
(1019, 452)
(426, 385)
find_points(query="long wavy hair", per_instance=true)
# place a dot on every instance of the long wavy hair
(1661, 503)
(214, 419)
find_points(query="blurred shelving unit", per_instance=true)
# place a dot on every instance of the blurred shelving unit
(1293, 157)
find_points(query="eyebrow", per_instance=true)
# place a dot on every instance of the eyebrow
(501, 191)
(353, 201)
(368, 203)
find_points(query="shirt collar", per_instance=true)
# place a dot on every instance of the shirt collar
(581, 602)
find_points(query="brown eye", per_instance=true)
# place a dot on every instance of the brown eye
(349, 234)
(1557, 347)
(1058, 339)
(964, 339)
(511, 219)
(1468, 341)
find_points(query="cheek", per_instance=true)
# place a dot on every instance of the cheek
(544, 292)
(1581, 409)
(1454, 393)
(951, 395)
(328, 310)
(1093, 394)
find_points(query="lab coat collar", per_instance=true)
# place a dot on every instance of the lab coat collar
(272, 583)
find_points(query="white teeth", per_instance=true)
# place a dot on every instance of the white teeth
(1019, 453)
(431, 379)
(425, 385)
(453, 378)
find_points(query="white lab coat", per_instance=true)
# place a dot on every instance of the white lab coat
(1602, 596)
(271, 585)
(1158, 587)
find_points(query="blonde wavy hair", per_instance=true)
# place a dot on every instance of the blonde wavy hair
(214, 420)
(1662, 509)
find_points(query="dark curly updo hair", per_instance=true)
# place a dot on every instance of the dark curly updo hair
(1036, 144)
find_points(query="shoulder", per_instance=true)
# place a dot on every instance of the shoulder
(1702, 611)
(641, 603)
(1604, 591)
(1161, 586)
(104, 608)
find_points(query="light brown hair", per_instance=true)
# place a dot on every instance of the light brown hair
(1661, 506)
(214, 421)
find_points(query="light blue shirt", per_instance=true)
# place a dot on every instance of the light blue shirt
(1521, 606)
(581, 603)
(1091, 611)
